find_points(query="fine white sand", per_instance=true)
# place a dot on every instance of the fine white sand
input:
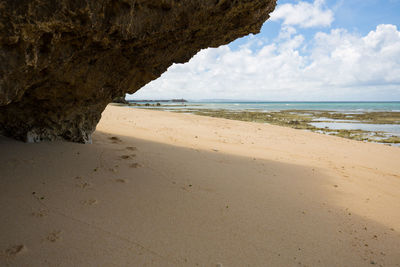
(163, 189)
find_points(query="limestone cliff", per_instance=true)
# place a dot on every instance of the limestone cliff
(63, 61)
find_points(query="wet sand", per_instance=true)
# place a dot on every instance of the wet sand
(166, 189)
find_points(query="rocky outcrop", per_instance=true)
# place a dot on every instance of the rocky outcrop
(120, 100)
(62, 62)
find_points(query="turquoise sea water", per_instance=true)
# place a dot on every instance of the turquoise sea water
(276, 106)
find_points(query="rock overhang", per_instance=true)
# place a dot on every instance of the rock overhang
(62, 62)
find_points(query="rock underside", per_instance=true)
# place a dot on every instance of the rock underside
(63, 61)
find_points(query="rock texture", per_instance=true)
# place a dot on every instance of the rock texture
(63, 61)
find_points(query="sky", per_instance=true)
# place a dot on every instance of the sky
(309, 50)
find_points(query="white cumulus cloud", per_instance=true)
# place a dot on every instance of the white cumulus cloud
(304, 14)
(338, 65)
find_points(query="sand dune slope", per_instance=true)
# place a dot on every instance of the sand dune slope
(164, 189)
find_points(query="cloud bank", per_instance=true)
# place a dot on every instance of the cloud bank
(333, 65)
(304, 14)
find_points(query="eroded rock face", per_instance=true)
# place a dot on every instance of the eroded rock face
(63, 61)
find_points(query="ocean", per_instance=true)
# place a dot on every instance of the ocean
(276, 106)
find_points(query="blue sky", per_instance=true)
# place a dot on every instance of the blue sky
(308, 50)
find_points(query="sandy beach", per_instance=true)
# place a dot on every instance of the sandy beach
(165, 189)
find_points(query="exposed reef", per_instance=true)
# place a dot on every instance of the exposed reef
(62, 62)
(306, 120)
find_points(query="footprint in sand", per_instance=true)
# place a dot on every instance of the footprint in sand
(90, 202)
(37, 196)
(14, 250)
(115, 140)
(122, 181)
(114, 169)
(54, 236)
(131, 148)
(128, 156)
(40, 213)
(84, 185)
(135, 165)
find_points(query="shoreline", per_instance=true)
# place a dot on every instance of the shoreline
(341, 124)
(167, 189)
